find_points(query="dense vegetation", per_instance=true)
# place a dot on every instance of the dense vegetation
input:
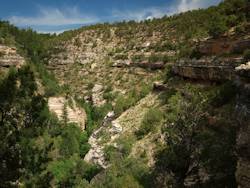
(38, 149)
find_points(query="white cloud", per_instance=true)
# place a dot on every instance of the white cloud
(185, 5)
(55, 20)
(54, 17)
(138, 15)
(157, 12)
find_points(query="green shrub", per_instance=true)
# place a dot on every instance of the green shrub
(77, 42)
(247, 55)
(164, 47)
(2, 54)
(195, 54)
(84, 145)
(150, 122)
(109, 152)
(48, 80)
(109, 96)
(145, 90)
(90, 85)
(125, 144)
(121, 57)
(123, 103)
(217, 25)
(154, 58)
(185, 51)
(138, 58)
(223, 94)
(168, 72)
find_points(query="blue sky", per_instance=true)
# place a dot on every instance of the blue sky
(60, 15)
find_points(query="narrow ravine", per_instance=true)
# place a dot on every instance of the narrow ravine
(96, 152)
(114, 128)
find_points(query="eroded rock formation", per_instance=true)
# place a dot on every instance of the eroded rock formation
(10, 58)
(224, 45)
(143, 64)
(74, 113)
(97, 95)
(212, 69)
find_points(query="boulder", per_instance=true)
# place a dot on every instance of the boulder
(159, 86)
(116, 128)
(243, 70)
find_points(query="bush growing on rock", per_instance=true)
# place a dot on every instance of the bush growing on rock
(150, 122)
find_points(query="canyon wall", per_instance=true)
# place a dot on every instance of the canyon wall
(243, 119)
(211, 69)
(10, 58)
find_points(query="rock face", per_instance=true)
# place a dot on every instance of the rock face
(97, 95)
(243, 117)
(207, 69)
(96, 152)
(127, 123)
(10, 58)
(144, 64)
(148, 65)
(224, 45)
(75, 114)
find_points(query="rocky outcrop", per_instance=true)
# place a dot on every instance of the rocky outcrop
(143, 64)
(160, 86)
(241, 76)
(243, 119)
(10, 58)
(149, 65)
(74, 113)
(127, 123)
(210, 69)
(224, 45)
(97, 95)
(96, 152)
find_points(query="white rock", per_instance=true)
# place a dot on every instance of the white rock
(116, 128)
(75, 114)
(243, 66)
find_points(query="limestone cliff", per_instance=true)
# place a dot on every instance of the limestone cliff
(10, 58)
(213, 69)
(74, 113)
(224, 45)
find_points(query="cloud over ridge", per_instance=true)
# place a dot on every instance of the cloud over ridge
(54, 17)
(58, 20)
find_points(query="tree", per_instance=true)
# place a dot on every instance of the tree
(182, 150)
(217, 25)
(192, 144)
(65, 114)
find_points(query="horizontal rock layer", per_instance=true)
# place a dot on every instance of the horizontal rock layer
(10, 58)
(207, 69)
(74, 114)
(224, 45)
